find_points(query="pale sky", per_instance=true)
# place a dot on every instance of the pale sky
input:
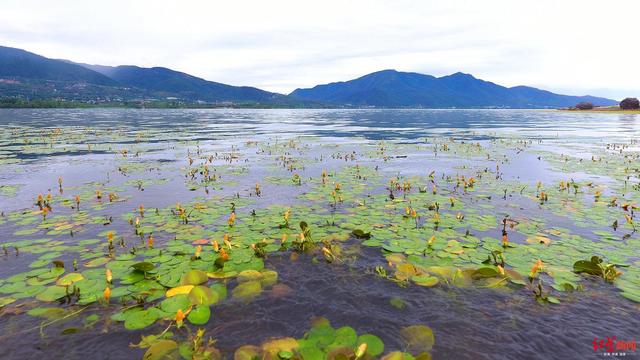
(573, 47)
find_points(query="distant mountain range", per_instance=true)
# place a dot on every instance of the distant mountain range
(27, 77)
(390, 88)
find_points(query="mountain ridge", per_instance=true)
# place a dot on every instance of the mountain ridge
(392, 88)
(27, 76)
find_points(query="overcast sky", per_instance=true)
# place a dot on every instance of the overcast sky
(574, 47)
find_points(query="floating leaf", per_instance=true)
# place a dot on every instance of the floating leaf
(172, 304)
(273, 347)
(143, 266)
(247, 290)
(184, 289)
(160, 349)
(199, 315)
(69, 279)
(247, 352)
(140, 319)
(97, 262)
(52, 293)
(4, 301)
(361, 234)
(375, 346)
(425, 280)
(48, 312)
(203, 295)
(194, 277)
(249, 275)
(418, 338)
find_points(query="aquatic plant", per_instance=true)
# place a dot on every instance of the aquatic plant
(597, 267)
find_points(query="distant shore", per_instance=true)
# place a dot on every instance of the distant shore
(603, 109)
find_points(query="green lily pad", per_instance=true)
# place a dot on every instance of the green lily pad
(199, 315)
(203, 295)
(140, 319)
(417, 338)
(52, 293)
(160, 349)
(143, 266)
(375, 346)
(69, 279)
(247, 290)
(194, 277)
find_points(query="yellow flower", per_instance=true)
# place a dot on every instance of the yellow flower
(414, 213)
(141, 208)
(198, 251)
(536, 268)
(98, 194)
(361, 350)
(180, 317)
(150, 241)
(223, 255)
(505, 240)
(107, 294)
(326, 251)
(216, 247)
(284, 238)
(232, 219)
(227, 240)
(431, 240)
(109, 276)
(110, 237)
(501, 270)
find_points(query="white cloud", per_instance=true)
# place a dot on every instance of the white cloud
(574, 46)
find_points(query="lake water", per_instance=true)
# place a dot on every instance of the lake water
(380, 166)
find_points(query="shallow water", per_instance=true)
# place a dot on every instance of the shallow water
(469, 322)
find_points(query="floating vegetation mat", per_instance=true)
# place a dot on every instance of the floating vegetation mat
(159, 243)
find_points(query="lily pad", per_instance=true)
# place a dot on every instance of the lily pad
(375, 346)
(199, 315)
(417, 338)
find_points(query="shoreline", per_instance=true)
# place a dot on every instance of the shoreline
(599, 111)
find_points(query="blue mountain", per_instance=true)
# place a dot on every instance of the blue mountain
(395, 89)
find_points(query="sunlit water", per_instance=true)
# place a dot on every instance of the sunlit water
(468, 323)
